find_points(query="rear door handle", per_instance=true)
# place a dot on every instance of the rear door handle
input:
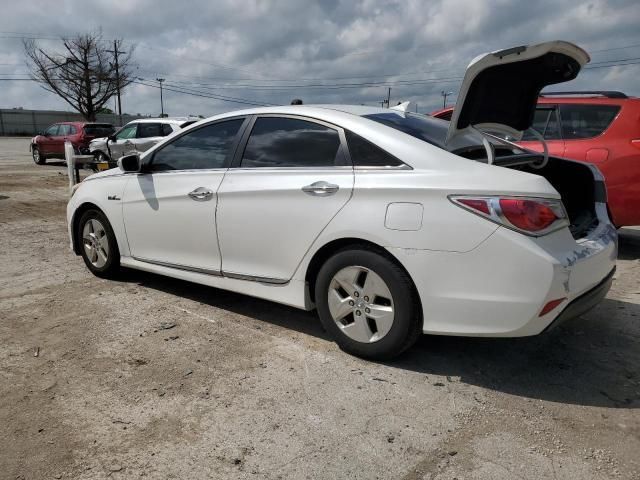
(201, 194)
(320, 189)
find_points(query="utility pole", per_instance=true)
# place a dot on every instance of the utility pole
(115, 57)
(388, 97)
(444, 98)
(160, 80)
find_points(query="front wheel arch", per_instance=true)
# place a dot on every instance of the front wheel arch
(75, 220)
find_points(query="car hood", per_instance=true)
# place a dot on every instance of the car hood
(500, 89)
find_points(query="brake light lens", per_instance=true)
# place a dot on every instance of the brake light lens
(551, 305)
(531, 216)
(527, 215)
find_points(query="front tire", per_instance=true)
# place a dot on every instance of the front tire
(368, 304)
(38, 157)
(99, 247)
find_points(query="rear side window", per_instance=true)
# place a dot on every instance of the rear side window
(206, 147)
(147, 130)
(166, 129)
(366, 154)
(64, 129)
(72, 130)
(290, 142)
(586, 121)
(545, 122)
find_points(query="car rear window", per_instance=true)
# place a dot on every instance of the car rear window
(586, 121)
(429, 129)
(99, 130)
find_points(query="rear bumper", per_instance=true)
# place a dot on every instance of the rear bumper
(500, 288)
(584, 302)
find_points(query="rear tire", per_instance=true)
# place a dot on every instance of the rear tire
(98, 244)
(38, 157)
(368, 304)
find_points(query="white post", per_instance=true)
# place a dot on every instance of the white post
(69, 157)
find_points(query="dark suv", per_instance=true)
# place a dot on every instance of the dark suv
(50, 143)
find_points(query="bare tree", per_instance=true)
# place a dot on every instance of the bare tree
(84, 74)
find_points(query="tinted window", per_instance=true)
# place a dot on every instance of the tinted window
(586, 121)
(98, 130)
(63, 130)
(289, 142)
(72, 130)
(146, 130)
(52, 130)
(429, 129)
(128, 131)
(545, 122)
(166, 129)
(366, 154)
(206, 147)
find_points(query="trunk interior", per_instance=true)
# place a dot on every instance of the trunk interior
(578, 188)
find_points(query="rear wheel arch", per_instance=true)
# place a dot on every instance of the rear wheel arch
(325, 252)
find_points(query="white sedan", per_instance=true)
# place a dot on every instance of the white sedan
(390, 224)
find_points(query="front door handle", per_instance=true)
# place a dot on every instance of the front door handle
(201, 194)
(320, 189)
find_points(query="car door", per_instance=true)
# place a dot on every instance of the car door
(57, 143)
(147, 136)
(289, 181)
(169, 210)
(123, 145)
(47, 139)
(546, 122)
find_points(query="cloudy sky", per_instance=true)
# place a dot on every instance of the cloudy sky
(323, 51)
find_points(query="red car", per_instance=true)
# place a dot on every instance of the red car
(602, 128)
(50, 144)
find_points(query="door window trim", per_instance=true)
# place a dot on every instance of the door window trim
(228, 160)
(239, 153)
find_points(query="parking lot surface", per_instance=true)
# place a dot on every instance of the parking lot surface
(154, 377)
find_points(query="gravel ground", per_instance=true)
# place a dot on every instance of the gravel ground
(158, 378)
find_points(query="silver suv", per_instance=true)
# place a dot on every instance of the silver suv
(136, 136)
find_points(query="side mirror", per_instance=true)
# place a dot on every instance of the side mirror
(129, 163)
(111, 138)
(46, 134)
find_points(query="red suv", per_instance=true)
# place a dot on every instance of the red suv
(50, 144)
(602, 128)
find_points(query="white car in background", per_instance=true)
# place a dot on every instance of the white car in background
(136, 136)
(391, 224)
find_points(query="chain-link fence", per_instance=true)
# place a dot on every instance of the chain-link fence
(18, 122)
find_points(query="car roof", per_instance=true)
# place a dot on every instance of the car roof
(172, 120)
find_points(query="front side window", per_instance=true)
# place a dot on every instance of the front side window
(204, 148)
(290, 142)
(52, 130)
(128, 131)
(148, 130)
(586, 121)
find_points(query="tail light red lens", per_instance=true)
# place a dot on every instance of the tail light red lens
(532, 216)
(527, 215)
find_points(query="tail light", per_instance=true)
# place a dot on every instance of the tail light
(531, 216)
(636, 142)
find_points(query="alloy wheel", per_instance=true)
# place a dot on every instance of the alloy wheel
(96, 243)
(361, 304)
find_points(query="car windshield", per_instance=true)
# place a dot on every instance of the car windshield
(428, 129)
(99, 130)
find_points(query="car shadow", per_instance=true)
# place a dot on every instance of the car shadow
(591, 361)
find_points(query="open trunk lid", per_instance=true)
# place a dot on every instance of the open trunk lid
(500, 89)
